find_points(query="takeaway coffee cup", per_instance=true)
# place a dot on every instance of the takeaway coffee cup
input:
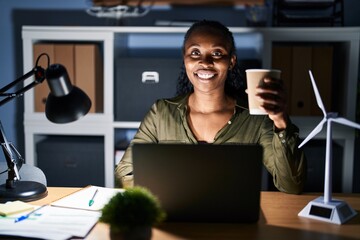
(255, 77)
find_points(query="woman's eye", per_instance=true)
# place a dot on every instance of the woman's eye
(217, 54)
(195, 53)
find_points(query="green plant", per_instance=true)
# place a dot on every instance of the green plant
(132, 208)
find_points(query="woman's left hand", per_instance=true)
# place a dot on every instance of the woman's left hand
(272, 97)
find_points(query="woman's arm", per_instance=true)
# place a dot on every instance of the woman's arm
(145, 134)
(282, 157)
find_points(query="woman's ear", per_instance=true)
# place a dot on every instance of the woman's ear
(232, 62)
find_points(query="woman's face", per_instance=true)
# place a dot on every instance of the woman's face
(207, 60)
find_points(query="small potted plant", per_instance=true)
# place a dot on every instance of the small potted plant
(132, 213)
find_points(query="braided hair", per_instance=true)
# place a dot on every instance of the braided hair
(234, 83)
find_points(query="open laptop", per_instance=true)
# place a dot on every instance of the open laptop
(202, 183)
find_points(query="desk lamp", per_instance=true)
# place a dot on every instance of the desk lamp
(326, 208)
(65, 103)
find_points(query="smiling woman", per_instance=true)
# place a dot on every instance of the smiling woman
(207, 60)
(210, 108)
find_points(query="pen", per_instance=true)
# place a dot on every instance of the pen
(91, 202)
(23, 217)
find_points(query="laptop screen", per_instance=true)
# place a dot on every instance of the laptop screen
(202, 183)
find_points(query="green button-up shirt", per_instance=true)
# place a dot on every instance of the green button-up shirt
(166, 122)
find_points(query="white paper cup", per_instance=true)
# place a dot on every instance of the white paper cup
(254, 77)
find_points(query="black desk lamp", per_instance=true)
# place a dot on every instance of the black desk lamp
(65, 103)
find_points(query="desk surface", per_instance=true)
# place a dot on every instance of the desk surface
(278, 221)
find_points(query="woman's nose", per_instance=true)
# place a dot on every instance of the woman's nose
(206, 60)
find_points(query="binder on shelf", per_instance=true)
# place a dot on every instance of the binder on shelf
(322, 64)
(89, 74)
(42, 90)
(294, 63)
(301, 90)
(65, 55)
(83, 64)
(282, 60)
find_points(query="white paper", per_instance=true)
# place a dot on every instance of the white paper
(81, 198)
(51, 223)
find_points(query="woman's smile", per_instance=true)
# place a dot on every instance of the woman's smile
(205, 74)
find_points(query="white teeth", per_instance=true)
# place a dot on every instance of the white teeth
(205, 76)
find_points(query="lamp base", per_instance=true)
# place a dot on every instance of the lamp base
(335, 211)
(25, 191)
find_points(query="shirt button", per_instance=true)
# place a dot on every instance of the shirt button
(283, 140)
(281, 135)
(229, 122)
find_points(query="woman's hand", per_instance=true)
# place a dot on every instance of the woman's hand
(272, 97)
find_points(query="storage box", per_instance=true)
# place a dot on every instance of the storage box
(140, 82)
(72, 161)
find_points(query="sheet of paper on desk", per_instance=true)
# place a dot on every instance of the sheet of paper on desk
(14, 207)
(81, 198)
(51, 223)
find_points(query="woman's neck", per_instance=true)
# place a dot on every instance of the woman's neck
(209, 103)
(208, 114)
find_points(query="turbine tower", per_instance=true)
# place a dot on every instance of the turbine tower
(326, 208)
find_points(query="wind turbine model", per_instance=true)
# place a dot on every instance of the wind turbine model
(325, 208)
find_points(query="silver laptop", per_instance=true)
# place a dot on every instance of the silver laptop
(202, 183)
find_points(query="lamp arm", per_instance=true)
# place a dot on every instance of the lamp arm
(14, 162)
(39, 73)
(13, 158)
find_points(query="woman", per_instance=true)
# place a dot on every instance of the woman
(210, 109)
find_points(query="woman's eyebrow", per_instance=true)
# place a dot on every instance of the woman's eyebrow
(219, 46)
(193, 45)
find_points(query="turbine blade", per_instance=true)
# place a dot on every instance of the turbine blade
(346, 122)
(316, 130)
(317, 94)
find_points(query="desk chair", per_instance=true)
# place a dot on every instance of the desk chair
(27, 173)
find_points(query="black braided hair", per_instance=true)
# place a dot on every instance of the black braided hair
(234, 83)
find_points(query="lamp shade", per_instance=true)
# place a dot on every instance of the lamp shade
(65, 103)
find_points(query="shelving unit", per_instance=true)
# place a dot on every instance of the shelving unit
(124, 41)
(349, 40)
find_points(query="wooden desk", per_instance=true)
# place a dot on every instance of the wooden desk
(278, 221)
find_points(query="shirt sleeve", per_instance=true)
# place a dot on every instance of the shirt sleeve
(145, 134)
(282, 157)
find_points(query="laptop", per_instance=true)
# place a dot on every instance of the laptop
(202, 183)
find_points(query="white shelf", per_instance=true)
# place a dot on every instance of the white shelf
(103, 124)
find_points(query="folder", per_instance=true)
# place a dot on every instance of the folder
(65, 55)
(41, 91)
(322, 64)
(89, 74)
(282, 60)
(301, 89)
